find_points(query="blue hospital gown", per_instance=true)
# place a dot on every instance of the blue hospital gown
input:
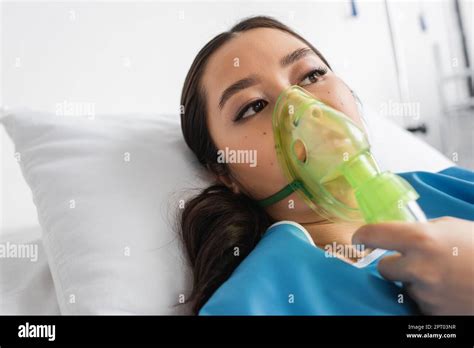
(287, 275)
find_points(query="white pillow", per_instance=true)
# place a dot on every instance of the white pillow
(400, 151)
(107, 191)
(95, 207)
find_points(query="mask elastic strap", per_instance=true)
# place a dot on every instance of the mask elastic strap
(283, 193)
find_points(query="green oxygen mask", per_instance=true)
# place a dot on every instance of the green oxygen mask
(326, 158)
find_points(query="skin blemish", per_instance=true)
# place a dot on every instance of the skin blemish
(264, 133)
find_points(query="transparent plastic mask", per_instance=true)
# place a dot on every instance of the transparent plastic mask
(313, 142)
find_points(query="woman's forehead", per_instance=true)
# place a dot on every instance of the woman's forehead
(253, 44)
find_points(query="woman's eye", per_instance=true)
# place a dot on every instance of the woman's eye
(251, 109)
(313, 76)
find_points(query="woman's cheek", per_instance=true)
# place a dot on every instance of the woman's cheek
(345, 101)
(263, 177)
(336, 94)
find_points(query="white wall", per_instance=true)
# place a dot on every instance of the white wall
(422, 72)
(134, 55)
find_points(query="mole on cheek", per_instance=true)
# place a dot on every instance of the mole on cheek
(264, 133)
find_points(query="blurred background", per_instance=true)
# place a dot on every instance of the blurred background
(410, 61)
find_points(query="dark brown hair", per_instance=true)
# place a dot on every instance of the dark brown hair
(219, 228)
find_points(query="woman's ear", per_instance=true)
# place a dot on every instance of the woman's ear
(223, 175)
(227, 181)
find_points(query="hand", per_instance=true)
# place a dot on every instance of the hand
(435, 263)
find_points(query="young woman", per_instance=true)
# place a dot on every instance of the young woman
(228, 98)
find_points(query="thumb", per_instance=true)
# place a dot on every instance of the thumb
(387, 235)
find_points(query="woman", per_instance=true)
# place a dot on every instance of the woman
(228, 98)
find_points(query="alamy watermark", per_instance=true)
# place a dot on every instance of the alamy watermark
(28, 330)
(401, 109)
(350, 251)
(20, 251)
(69, 108)
(237, 156)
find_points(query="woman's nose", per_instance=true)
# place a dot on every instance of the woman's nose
(276, 88)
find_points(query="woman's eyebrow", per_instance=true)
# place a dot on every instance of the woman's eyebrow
(253, 80)
(236, 87)
(295, 55)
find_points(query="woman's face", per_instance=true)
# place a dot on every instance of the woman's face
(242, 82)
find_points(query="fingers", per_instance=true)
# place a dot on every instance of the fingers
(400, 236)
(395, 267)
